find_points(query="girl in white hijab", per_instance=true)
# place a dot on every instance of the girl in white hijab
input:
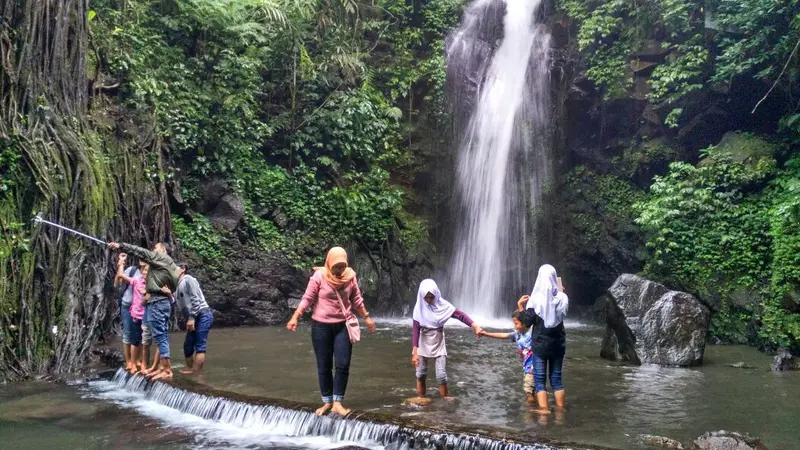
(546, 307)
(431, 312)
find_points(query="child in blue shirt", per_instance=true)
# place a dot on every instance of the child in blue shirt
(523, 338)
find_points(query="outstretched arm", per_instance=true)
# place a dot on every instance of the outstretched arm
(496, 335)
(464, 318)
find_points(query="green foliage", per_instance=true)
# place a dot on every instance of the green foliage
(779, 324)
(727, 230)
(199, 236)
(9, 163)
(645, 159)
(600, 236)
(681, 74)
(287, 100)
(705, 41)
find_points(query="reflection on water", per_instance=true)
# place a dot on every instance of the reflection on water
(52, 416)
(606, 404)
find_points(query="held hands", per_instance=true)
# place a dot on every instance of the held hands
(165, 290)
(113, 245)
(477, 329)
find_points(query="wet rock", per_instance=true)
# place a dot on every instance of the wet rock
(661, 441)
(741, 365)
(648, 323)
(597, 312)
(727, 440)
(255, 289)
(783, 361)
(111, 357)
(220, 203)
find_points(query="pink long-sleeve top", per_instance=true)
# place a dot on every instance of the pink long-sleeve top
(322, 296)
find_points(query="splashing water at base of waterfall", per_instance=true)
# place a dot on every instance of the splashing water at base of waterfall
(229, 431)
(218, 421)
(504, 153)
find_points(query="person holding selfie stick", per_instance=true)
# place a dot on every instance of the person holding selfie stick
(546, 308)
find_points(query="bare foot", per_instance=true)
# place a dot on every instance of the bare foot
(322, 410)
(130, 368)
(543, 411)
(339, 409)
(531, 399)
(449, 399)
(153, 373)
(187, 371)
(163, 375)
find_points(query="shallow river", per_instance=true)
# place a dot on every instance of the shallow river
(606, 404)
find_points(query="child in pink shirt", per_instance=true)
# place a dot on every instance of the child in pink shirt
(137, 283)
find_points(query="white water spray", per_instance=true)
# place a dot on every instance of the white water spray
(504, 153)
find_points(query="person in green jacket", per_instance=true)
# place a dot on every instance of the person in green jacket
(163, 273)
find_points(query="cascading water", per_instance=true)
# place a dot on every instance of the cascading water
(264, 420)
(504, 160)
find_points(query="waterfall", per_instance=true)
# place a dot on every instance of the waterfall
(304, 423)
(504, 160)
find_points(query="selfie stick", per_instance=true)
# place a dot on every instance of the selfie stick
(38, 219)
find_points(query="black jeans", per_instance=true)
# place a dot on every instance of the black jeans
(331, 342)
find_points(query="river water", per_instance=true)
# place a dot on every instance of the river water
(607, 405)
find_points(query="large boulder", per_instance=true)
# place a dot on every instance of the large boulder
(248, 287)
(220, 203)
(727, 440)
(646, 323)
(783, 361)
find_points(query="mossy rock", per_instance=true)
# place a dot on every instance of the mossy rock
(743, 148)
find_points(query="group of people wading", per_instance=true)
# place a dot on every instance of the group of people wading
(149, 291)
(334, 294)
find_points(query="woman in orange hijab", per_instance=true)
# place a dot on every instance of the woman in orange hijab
(333, 291)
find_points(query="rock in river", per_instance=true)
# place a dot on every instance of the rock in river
(783, 361)
(646, 323)
(727, 440)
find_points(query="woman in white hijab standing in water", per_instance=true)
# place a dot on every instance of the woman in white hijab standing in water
(547, 306)
(431, 312)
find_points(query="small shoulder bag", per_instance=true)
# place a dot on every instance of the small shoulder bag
(350, 321)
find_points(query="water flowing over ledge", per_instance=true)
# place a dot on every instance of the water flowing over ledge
(298, 420)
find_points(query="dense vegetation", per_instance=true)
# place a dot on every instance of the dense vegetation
(305, 109)
(721, 222)
(321, 116)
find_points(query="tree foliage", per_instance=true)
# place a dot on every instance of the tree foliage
(303, 107)
(703, 42)
(726, 230)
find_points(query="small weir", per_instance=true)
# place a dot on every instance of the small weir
(297, 420)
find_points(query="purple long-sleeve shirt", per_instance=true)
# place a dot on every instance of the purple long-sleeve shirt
(457, 314)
